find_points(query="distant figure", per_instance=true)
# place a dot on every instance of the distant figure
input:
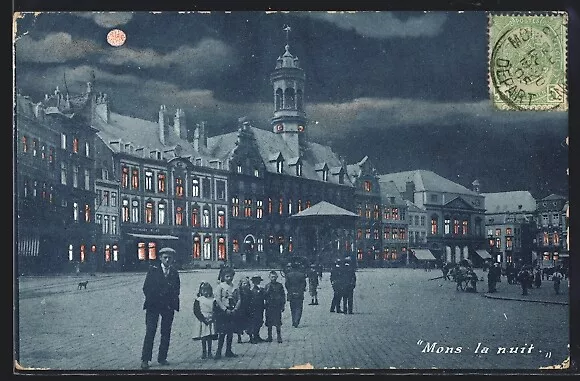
(493, 276)
(557, 278)
(337, 286)
(525, 278)
(161, 289)
(313, 285)
(349, 280)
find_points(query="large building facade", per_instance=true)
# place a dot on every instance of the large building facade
(455, 214)
(551, 231)
(509, 223)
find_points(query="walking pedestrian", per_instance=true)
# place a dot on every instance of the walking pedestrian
(313, 285)
(256, 310)
(295, 288)
(227, 306)
(557, 278)
(204, 325)
(537, 278)
(161, 289)
(525, 279)
(274, 302)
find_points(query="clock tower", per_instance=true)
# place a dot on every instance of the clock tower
(287, 80)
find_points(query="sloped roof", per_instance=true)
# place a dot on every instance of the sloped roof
(412, 207)
(324, 208)
(509, 202)
(553, 196)
(388, 190)
(425, 181)
(270, 144)
(142, 134)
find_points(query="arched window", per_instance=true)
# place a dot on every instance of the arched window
(434, 224)
(207, 247)
(149, 212)
(221, 248)
(289, 102)
(447, 225)
(125, 203)
(161, 213)
(299, 99)
(196, 247)
(206, 218)
(278, 99)
(221, 219)
(179, 215)
(195, 215)
(135, 211)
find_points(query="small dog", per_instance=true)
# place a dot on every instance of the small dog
(83, 284)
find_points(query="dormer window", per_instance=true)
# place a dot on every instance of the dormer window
(367, 185)
(279, 127)
(299, 168)
(256, 172)
(239, 168)
(280, 166)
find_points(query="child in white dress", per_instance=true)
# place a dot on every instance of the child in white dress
(204, 325)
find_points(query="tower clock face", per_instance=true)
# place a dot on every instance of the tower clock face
(279, 127)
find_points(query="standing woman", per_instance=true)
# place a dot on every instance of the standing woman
(227, 305)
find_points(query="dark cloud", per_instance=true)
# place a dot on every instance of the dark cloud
(407, 89)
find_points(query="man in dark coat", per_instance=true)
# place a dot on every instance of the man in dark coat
(336, 280)
(349, 283)
(295, 288)
(161, 289)
(256, 310)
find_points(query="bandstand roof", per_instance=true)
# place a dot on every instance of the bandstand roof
(323, 209)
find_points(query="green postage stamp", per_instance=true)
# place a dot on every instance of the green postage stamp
(527, 61)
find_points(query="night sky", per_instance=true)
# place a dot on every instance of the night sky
(407, 89)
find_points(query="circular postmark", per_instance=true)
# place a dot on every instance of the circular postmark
(116, 37)
(526, 67)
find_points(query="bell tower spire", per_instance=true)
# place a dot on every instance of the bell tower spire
(287, 79)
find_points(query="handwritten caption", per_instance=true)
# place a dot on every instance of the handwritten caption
(480, 348)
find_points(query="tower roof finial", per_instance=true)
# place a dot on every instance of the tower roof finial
(287, 29)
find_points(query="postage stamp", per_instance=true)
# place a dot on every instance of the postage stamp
(528, 61)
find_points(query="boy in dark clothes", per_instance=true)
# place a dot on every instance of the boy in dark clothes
(313, 285)
(274, 301)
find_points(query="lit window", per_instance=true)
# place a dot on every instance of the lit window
(299, 168)
(195, 216)
(196, 247)
(141, 250)
(149, 181)
(221, 248)
(179, 216)
(235, 245)
(34, 147)
(447, 227)
(259, 209)
(325, 174)
(75, 145)
(152, 251)
(135, 178)
(235, 207)
(206, 219)
(556, 239)
(455, 226)
(508, 243)
(115, 253)
(161, 183)
(113, 198)
(289, 207)
(239, 168)
(256, 172)
(221, 219)
(87, 180)
(376, 212)
(497, 232)
(281, 206)
(376, 234)
(125, 177)
(75, 211)
(247, 208)
(161, 214)
(87, 213)
(387, 213)
(83, 252)
(107, 253)
(367, 185)
(149, 212)
(125, 208)
(307, 204)
(87, 149)
(75, 176)
(62, 141)
(498, 243)
(114, 225)
(465, 227)
(24, 144)
(395, 213)
(135, 211)
(195, 187)
(434, 225)
(207, 247)
(367, 233)
(179, 187)
(270, 205)
(280, 166)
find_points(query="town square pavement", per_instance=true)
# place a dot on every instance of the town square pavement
(402, 320)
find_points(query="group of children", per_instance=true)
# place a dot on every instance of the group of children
(229, 309)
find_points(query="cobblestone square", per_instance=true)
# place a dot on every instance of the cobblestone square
(401, 320)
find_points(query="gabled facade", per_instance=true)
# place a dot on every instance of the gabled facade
(455, 214)
(551, 231)
(509, 224)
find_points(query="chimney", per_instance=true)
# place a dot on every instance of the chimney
(476, 186)
(179, 126)
(199, 137)
(409, 191)
(162, 126)
(102, 107)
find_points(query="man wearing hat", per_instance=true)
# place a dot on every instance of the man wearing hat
(295, 288)
(256, 310)
(161, 289)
